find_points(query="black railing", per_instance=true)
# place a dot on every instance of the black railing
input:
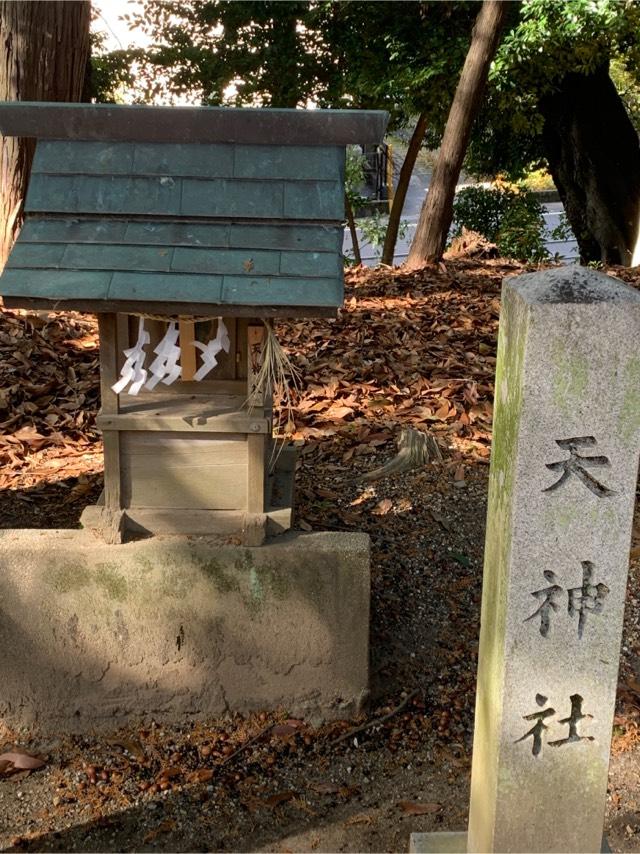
(376, 170)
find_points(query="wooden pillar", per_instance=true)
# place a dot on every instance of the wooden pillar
(113, 331)
(255, 348)
(187, 350)
(256, 445)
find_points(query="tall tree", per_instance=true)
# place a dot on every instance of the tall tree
(404, 57)
(45, 55)
(398, 56)
(594, 158)
(406, 170)
(255, 53)
(551, 102)
(437, 211)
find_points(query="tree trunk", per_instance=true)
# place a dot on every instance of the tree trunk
(357, 257)
(437, 211)
(594, 158)
(283, 57)
(391, 237)
(45, 53)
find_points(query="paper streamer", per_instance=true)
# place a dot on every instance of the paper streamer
(165, 366)
(210, 351)
(133, 371)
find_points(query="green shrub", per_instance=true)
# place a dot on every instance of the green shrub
(354, 176)
(512, 220)
(374, 228)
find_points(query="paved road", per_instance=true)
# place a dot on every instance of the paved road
(566, 250)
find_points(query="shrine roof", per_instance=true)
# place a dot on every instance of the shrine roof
(233, 218)
(146, 123)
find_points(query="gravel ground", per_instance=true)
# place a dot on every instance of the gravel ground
(160, 788)
(407, 350)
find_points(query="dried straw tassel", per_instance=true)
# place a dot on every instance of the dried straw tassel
(276, 374)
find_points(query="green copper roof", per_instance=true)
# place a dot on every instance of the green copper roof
(126, 225)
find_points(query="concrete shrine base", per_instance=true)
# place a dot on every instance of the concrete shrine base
(453, 843)
(171, 627)
(444, 843)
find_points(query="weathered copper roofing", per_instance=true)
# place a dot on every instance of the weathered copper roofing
(188, 227)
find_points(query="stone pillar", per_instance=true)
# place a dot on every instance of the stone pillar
(561, 497)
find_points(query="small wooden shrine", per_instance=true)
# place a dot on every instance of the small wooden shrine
(184, 229)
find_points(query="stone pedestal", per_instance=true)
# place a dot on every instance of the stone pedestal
(561, 498)
(92, 634)
(453, 843)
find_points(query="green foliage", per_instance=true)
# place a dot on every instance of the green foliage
(548, 40)
(512, 220)
(354, 176)
(251, 53)
(627, 81)
(480, 209)
(374, 229)
(538, 180)
(521, 231)
(110, 72)
(336, 53)
(562, 231)
(404, 58)
(553, 39)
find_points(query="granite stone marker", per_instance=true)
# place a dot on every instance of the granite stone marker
(561, 497)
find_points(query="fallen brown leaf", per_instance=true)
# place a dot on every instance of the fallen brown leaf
(418, 808)
(279, 798)
(301, 804)
(132, 746)
(325, 788)
(284, 730)
(382, 507)
(200, 775)
(360, 818)
(22, 761)
(169, 773)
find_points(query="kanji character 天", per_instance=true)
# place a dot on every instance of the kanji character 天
(578, 465)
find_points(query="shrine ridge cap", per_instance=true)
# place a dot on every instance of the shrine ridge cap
(147, 123)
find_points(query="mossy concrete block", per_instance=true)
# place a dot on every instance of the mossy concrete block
(561, 498)
(174, 627)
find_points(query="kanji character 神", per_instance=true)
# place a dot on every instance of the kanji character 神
(548, 597)
(588, 597)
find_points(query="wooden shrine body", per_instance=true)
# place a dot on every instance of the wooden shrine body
(192, 457)
(185, 214)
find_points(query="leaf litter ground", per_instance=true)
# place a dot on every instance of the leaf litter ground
(408, 350)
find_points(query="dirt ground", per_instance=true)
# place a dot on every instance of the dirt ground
(412, 351)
